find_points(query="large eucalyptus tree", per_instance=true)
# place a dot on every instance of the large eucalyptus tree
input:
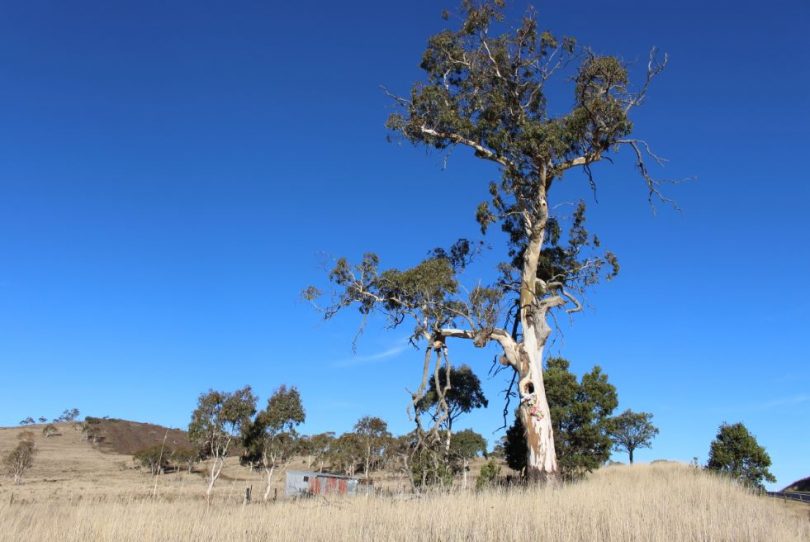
(487, 91)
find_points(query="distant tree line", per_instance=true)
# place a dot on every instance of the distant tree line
(585, 432)
(68, 415)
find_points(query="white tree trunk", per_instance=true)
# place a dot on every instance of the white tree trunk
(269, 473)
(465, 468)
(541, 459)
(216, 470)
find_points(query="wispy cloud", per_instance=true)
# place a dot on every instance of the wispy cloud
(785, 401)
(388, 353)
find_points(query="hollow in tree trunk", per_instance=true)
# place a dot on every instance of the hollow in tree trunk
(541, 459)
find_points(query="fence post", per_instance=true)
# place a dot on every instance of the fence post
(248, 492)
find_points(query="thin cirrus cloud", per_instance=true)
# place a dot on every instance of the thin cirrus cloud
(786, 401)
(392, 352)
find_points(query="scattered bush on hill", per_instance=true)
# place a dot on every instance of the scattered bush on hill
(155, 458)
(20, 459)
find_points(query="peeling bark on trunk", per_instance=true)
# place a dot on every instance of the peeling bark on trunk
(541, 459)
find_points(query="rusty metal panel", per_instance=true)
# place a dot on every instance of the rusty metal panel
(300, 483)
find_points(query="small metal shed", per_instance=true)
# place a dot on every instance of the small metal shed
(301, 483)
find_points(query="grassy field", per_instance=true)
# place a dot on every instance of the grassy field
(78, 493)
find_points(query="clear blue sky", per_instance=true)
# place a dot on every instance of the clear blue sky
(172, 174)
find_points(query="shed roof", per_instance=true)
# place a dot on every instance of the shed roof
(319, 474)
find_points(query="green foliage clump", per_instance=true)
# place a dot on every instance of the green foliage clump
(463, 395)
(219, 418)
(185, 457)
(467, 444)
(488, 475)
(68, 415)
(271, 438)
(631, 430)
(317, 447)
(736, 453)
(155, 458)
(346, 453)
(430, 467)
(374, 436)
(580, 417)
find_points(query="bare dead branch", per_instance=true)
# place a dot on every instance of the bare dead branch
(654, 68)
(653, 185)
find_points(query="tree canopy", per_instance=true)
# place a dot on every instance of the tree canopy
(220, 417)
(463, 394)
(736, 453)
(373, 433)
(468, 444)
(632, 430)
(271, 438)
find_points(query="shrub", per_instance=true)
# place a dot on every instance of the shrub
(186, 457)
(20, 458)
(155, 458)
(488, 475)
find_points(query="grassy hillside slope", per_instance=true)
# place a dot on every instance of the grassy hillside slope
(126, 437)
(75, 492)
(802, 486)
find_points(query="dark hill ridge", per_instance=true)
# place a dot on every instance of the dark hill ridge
(802, 485)
(126, 437)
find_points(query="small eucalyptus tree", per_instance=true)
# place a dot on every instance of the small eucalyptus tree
(346, 452)
(373, 433)
(318, 446)
(68, 415)
(21, 458)
(272, 435)
(487, 92)
(464, 447)
(186, 457)
(217, 421)
(155, 458)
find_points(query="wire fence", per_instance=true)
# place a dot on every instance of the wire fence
(791, 496)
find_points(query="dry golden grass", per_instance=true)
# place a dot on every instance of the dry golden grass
(666, 502)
